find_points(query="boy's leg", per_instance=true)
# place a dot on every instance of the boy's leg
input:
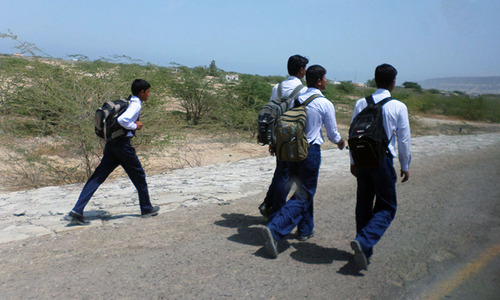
(132, 166)
(309, 172)
(384, 182)
(106, 166)
(265, 207)
(365, 196)
(279, 189)
(298, 210)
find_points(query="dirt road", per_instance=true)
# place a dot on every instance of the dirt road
(444, 241)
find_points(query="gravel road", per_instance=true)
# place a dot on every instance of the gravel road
(206, 242)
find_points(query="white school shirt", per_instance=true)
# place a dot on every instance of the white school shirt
(320, 111)
(287, 87)
(131, 115)
(396, 125)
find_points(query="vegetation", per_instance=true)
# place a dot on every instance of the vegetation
(412, 85)
(53, 102)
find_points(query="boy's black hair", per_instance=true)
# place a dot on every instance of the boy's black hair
(296, 62)
(139, 85)
(313, 74)
(385, 75)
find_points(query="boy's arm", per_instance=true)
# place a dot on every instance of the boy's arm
(128, 119)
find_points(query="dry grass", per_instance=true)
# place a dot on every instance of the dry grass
(193, 148)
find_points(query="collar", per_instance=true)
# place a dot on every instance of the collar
(293, 78)
(383, 92)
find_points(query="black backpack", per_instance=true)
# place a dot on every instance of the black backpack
(367, 138)
(105, 120)
(270, 113)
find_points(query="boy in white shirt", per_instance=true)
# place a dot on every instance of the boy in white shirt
(120, 152)
(379, 184)
(298, 211)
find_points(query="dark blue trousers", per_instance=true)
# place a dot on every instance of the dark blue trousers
(372, 220)
(298, 211)
(115, 154)
(279, 188)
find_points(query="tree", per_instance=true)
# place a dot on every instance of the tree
(371, 83)
(23, 46)
(412, 85)
(212, 70)
(196, 92)
(346, 86)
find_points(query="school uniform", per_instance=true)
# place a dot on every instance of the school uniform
(280, 185)
(379, 184)
(298, 210)
(117, 153)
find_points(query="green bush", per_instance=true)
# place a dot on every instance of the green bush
(56, 99)
(346, 87)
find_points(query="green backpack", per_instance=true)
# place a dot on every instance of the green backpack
(291, 140)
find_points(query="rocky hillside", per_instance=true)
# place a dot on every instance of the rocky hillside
(469, 85)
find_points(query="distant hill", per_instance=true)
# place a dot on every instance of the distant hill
(469, 85)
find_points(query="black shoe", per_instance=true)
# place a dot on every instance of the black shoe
(151, 213)
(75, 218)
(304, 238)
(359, 256)
(264, 210)
(270, 243)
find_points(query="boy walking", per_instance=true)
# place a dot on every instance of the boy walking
(298, 211)
(379, 184)
(280, 185)
(122, 153)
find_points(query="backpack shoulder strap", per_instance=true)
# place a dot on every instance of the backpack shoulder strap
(280, 90)
(310, 99)
(369, 100)
(384, 101)
(296, 91)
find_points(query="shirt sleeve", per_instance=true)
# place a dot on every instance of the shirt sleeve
(404, 139)
(331, 123)
(129, 117)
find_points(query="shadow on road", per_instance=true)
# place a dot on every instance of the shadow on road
(235, 220)
(250, 234)
(350, 269)
(102, 215)
(246, 234)
(313, 254)
(310, 253)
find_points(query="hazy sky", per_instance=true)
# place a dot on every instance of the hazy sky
(422, 39)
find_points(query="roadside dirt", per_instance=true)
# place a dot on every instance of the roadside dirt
(215, 250)
(198, 151)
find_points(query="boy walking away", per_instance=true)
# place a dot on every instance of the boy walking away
(280, 185)
(379, 182)
(120, 152)
(298, 211)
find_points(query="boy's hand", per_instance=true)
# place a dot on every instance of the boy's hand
(405, 175)
(139, 125)
(341, 144)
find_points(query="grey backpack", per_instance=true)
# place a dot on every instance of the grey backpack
(270, 113)
(106, 124)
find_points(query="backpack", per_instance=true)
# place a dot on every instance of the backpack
(270, 112)
(106, 120)
(367, 138)
(291, 140)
